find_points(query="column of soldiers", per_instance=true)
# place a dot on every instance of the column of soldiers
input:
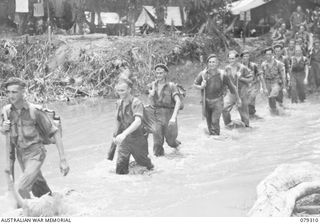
(283, 72)
(234, 86)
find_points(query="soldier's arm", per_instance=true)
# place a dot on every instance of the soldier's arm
(137, 109)
(198, 81)
(283, 75)
(231, 86)
(49, 130)
(133, 126)
(291, 20)
(4, 121)
(64, 167)
(1, 124)
(117, 123)
(262, 79)
(306, 67)
(246, 76)
(176, 108)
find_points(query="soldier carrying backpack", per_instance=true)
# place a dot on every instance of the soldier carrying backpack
(161, 117)
(212, 82)
(28, 128)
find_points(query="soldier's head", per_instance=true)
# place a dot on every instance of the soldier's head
(212, 61)
(15, 89)
(299, 41)
(316, 44)
(292, 43)
(302, 28)
(245, 56)
(277, 50)
(283, 26)
(298, 50)
(269, 53)
(233, 57)
(124, 85)
(299, 9)
(161, 71)
(123, 88)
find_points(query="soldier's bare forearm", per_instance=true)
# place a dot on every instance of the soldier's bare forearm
(176, 107)
(134, 126)
(60, 146)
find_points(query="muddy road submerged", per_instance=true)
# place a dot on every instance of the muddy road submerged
(207, 177)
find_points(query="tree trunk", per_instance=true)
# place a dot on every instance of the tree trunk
(132, 5)
(80, 18)
(161, 14)
(277, 194)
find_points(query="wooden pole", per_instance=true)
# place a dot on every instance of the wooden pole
(244, 29)
(48, 21)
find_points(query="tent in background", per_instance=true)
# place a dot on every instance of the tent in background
(245, 5)
(173, 16)
(148, 15)
(145, 17)
(107, 18)
(151, 10)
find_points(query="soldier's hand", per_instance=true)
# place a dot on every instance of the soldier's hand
(285, 91)
(172, 121)
(203, 84)
(305, 81)
(119, 138)
(6, 126)
(64, 167)
(153, 89)
(265, 92)
(239, 102)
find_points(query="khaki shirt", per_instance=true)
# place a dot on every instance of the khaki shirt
(297, 18)
(216, 84)
(273, 71)
(244, 73)
(256, 72)
(166, 97)
(25, 131)
(127, 113)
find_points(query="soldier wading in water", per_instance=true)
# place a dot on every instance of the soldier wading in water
(212, 81)
(162, 115)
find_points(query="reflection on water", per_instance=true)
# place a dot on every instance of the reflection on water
(207, 177)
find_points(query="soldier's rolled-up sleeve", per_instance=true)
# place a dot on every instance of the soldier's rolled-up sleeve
(174, 91)
(227, 82)
(137, 108)
(198, 79)
(44, 124)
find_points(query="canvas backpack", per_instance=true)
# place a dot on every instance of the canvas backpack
(54, 119)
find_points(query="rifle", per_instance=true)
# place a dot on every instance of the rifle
(204, 115)
(10, 151)
(113, 146)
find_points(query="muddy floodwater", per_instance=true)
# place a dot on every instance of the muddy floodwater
(207, 177)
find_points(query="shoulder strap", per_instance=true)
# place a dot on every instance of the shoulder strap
(221, 74)
(134, 100)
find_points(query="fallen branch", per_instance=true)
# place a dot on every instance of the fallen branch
(278, 193)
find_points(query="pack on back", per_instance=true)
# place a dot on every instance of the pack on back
(54, 119)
